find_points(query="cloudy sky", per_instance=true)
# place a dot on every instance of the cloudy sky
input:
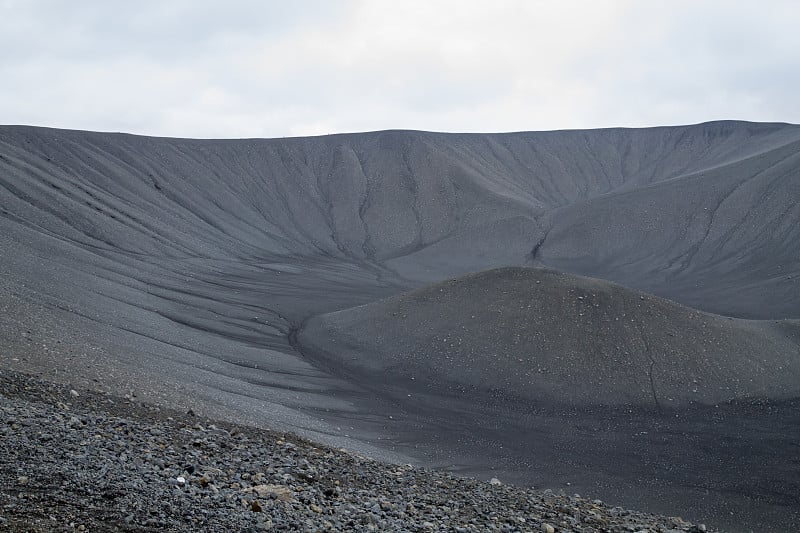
(262, 68)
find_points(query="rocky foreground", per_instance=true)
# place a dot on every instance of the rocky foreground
(86, 461)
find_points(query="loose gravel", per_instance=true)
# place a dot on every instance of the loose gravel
(88, 461)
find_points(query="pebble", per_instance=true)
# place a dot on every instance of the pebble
(275, 492)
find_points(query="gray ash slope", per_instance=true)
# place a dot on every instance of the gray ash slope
(178, 270)
(541, 335)
(711, 203)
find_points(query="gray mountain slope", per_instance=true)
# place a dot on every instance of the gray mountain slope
(367, 196)
(724, 239)
(180, 270)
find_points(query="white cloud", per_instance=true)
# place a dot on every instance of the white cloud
(250, 68)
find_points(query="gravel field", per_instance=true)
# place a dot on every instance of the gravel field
(85, 461)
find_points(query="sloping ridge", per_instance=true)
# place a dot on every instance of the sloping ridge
(681, 211)
(723, 239)
(375, 195)
(547, 336)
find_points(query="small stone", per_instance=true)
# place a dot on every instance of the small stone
(73, 393)
(22, 480)
(256, 507)
(547, 528)
(316, 508)
(275, 492)
(305, 475)
(181, 480)
(495, 481)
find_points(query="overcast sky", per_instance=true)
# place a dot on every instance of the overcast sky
(239, 68)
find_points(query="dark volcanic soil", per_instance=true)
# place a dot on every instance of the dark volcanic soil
(180, 271)
(545, 336)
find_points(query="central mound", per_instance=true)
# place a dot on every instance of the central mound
(547, 336)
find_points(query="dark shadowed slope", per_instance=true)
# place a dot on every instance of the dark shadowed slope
(550, 337)
(178, 271)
